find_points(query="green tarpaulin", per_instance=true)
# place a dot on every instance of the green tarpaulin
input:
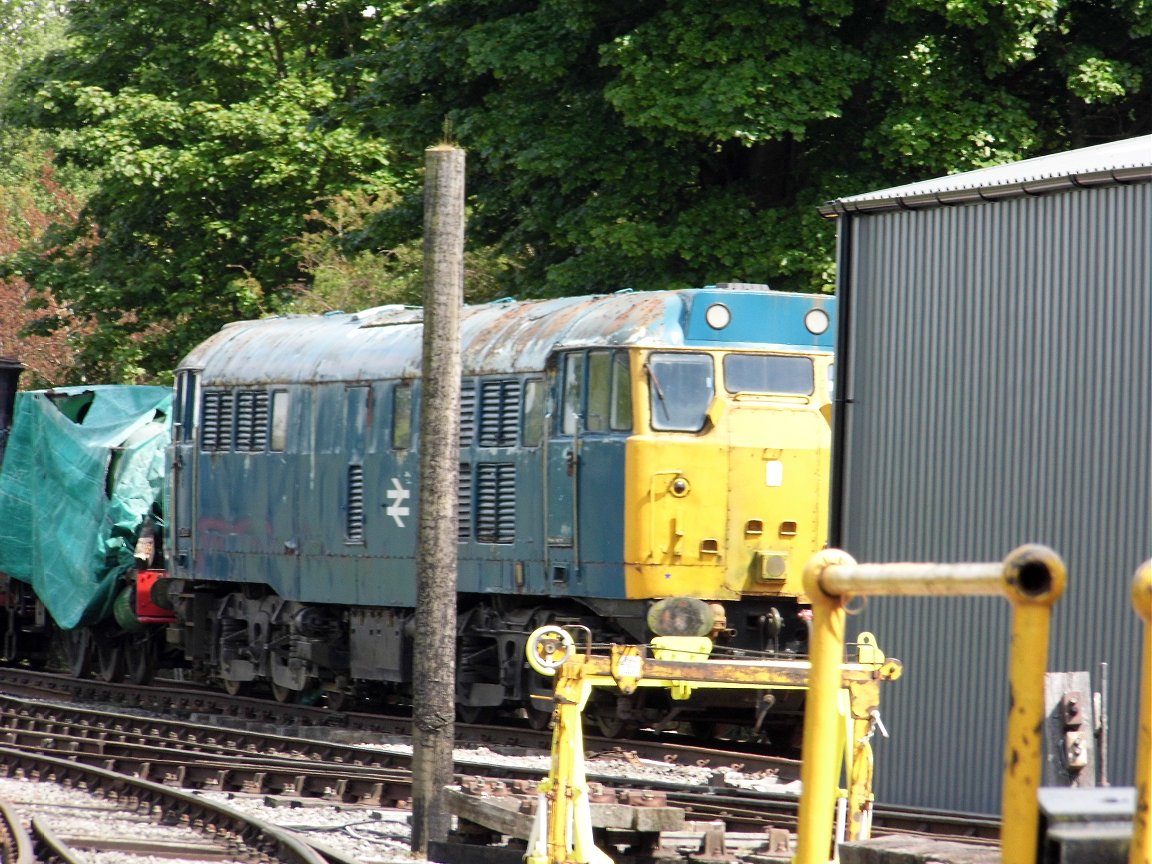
(82, 470)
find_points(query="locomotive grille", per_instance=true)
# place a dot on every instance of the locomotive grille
(467, 413)
(464, 504)
(251, 420)
(495, 503)
(354, 529)
(499, 413)
(216, 426)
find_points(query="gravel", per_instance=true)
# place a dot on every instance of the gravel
(368, 835)
(74, 813)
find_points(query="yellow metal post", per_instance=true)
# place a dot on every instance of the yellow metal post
(863, 718)
(860, 795)
(1032, 583)
(1140, 852)
(563, 832)
(1031, 577)
(821, 758)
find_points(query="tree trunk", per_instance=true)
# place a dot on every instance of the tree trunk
(434, 662)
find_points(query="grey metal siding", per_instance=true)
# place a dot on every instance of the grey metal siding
(998, 391)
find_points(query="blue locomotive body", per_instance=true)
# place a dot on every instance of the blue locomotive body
(295, 483)
(615, 450)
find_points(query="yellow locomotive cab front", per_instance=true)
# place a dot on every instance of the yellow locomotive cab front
(737, 506)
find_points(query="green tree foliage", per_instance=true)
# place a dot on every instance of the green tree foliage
(32, 199)
(254, 156)
(205, 124)
(28, 28)
(345, 273)
(33, 196)
(659, 144)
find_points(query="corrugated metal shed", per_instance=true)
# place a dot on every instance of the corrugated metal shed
(1126, 161)
(995, 388)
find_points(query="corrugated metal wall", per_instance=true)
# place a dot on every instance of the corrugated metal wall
(999, 391)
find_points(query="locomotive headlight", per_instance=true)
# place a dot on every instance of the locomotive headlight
(816, 320)
(679, 487)
(681, 616)
(718, 316)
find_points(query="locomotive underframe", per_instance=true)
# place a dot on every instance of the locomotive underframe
(302, 650)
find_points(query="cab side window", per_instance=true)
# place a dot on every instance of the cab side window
(533, 431)
(681, 387)
(279, 421)
(184, 406)
(573, 401)
(597, 392)
(402, 416)
(621, 420)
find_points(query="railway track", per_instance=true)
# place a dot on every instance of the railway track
(210, 757)
(220, 757)
(16, 845)
(318, 733)
(228, 835)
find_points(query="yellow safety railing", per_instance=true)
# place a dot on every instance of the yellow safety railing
(1032, 578)
(1140, 852)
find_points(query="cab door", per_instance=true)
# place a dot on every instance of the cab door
(587, 447)
(562, 472)
(183, 471)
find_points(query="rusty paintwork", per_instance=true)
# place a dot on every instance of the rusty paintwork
(387, 341)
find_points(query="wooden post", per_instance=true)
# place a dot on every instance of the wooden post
(1069, 730)
(434, 661)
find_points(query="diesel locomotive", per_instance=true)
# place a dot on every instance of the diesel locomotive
(615, 450)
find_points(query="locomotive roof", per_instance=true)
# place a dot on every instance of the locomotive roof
(499, 337)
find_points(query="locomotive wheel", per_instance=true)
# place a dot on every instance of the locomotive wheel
(141, 661)
(475, 714)
(78, 650)
(538, 708)
(341, 697)
(109, 660)
(283, 694)
(611, 726)
(235, 688)
(309, 694)
(537, 719)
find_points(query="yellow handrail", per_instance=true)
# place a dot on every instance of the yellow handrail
(1032, 578)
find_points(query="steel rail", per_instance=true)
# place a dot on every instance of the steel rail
(52, 848)
(199, 813)
(15, 843)
(739, 808)
(253, 747)
(19, 714)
